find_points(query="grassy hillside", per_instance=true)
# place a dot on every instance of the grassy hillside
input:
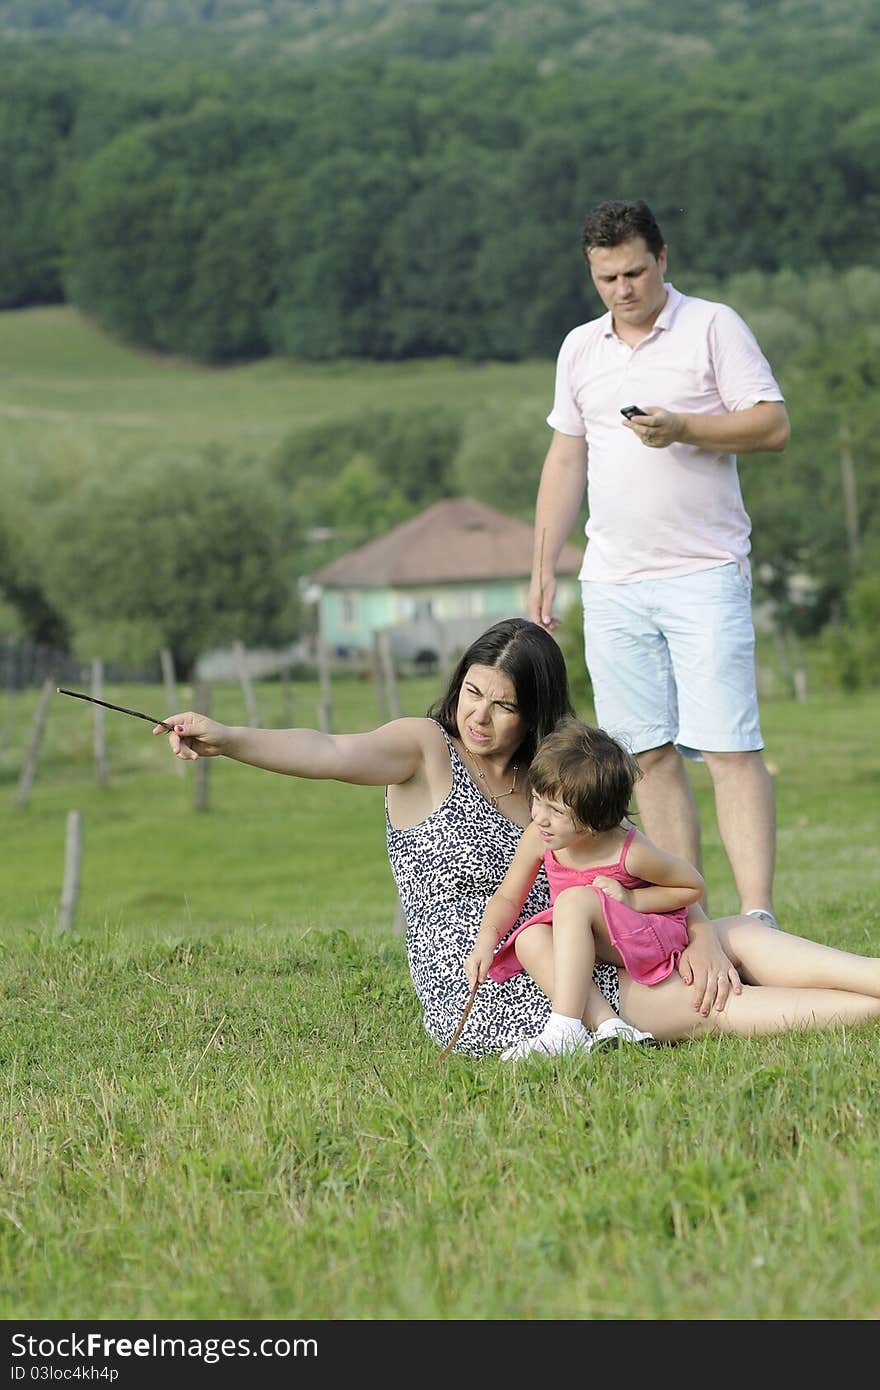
(71, 397)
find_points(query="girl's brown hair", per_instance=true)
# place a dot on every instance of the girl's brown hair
(586, 769)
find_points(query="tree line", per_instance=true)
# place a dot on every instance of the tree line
(395, 208)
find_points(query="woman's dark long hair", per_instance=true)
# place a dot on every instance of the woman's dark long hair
(531, 659)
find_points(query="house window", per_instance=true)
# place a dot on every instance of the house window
(347, 610)
(469, 603)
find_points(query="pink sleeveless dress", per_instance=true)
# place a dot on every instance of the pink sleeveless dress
(649, 942)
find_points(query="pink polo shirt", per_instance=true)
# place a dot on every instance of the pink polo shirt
(656, 513)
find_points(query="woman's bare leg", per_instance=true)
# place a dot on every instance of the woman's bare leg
(667, 1009)
(790, 1002)
(767, 957)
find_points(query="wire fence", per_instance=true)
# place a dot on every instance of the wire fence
(26, 665)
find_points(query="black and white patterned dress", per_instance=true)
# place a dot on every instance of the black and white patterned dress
(446, 868)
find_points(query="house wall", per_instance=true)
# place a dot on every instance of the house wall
(349, 617)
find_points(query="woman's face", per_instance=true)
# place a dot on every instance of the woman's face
(489, 721)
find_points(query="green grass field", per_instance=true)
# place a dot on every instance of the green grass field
(73, 398)
(219, 1103)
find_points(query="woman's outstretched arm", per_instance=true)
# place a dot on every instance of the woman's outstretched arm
(391, 754)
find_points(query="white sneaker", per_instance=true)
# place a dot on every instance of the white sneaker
(762, 915)
(549, 1046)
(615, 1031)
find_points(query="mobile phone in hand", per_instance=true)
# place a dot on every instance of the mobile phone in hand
(630, 410)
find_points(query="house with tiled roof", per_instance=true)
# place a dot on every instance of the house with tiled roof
(455, 568)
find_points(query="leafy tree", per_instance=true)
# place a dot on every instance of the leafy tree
(330, 224)
(189, 553)
(37, 110)
(431, 294)
(234, 277)
(854, 644)
(802, 550)
(171, 242)
(500, 463)
(413, 453)
(359, 477)
(28, 610)
(358, 503)
(533, 280)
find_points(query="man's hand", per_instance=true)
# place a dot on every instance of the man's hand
(656, 428)
(758, 428)
(539, 606)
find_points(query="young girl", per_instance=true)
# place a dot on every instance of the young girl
(614, 895)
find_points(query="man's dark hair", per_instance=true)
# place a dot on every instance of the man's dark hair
(611, 224)
(533, 661)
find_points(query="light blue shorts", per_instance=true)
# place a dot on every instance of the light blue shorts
(673, 661)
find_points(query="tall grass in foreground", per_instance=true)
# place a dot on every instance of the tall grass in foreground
(218, 1101)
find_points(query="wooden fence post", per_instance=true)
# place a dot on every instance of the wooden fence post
(8, 693)
(379, 677)
(444, 664)
(244, 677)
(285, 680)
(202, 702)
(72, 861)
(99, 741)
(850, 498)
(389, 673)
(169, 681)
(29, 769)
(325, 704)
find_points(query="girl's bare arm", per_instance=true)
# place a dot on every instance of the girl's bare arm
(505, 904)
(673, 883)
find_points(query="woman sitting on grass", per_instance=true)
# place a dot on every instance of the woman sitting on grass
(456, 806)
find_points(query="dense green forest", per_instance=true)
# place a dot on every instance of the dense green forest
(286, 30)
(398, 179)
(413, 201)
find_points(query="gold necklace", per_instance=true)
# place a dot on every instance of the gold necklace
(492, 797)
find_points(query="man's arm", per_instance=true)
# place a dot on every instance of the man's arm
(560, 493)
(761, 428)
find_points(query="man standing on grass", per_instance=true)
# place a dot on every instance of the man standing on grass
(669, 637)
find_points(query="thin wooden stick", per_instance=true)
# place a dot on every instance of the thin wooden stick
(120, 709)
(461, 1022)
